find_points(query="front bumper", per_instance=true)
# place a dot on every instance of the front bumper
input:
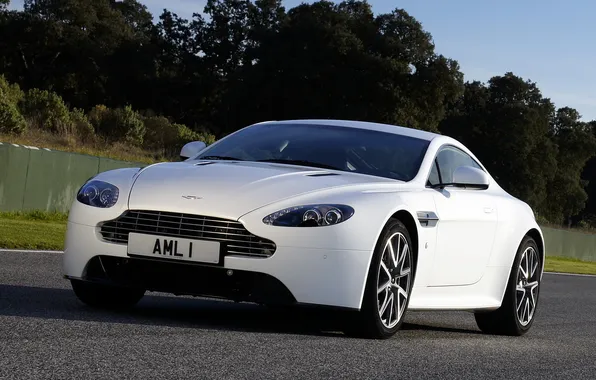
(305, 275)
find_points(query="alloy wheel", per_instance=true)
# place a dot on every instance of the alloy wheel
(527, 286)
(394, 279)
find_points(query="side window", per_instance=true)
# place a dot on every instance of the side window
(451, 158)
(433, 178)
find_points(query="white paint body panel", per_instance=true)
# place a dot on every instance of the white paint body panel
(465, 235)
(464, 258)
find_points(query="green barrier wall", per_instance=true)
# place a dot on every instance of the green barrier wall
(13, 176)
(42, 179)
(567, 243)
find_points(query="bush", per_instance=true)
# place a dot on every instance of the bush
(208, 138)
(97, 115)
(160, 133)
(186, 135)
(118, 124)
(46, 110)
(130, 125)
(540, 219)
(11, 120)
(10, 92)
(81, 125)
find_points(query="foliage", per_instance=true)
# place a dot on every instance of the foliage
(96, 116)
(160, 133)
(97, 147)
(128, 125)
(46, 110)
(81, 125)
(533, 151)
(118, 124)
(11, 120)
(11, 92)
(153, 137)
(186, 135)
(243, 61)
(576, 145)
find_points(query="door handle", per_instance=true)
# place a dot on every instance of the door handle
(488, 210)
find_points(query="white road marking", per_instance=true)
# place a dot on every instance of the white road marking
(571, 274)
(28, 251)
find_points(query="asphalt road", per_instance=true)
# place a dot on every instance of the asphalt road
(46, 333)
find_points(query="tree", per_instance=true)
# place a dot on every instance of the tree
(224, 38)
(340, 61)
(68, 46)
(507, 124)
(244, 61)
(588, 179)
(576, 145)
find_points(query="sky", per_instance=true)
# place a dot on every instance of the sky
(545, 41)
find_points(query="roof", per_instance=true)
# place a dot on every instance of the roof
(411, 132)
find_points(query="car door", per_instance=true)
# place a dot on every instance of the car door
(467, 223)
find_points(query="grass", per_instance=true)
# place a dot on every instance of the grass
(98, 147)
(32, 230)
(568, 265)
(43, 230)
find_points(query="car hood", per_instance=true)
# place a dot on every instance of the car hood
(230, 189)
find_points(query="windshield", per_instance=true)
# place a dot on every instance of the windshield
(347, 149)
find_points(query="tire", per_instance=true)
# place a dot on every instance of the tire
(506, 320)
(106, 296)
(369, 322)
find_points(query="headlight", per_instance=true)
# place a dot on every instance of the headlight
(310, 216)
(98, 194)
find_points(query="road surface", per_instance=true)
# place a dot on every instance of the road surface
(45, 333)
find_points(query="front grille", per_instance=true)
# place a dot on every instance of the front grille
(232, 234)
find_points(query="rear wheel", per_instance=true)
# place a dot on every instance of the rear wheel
(518, 310)
(388, 287)
(106, 296)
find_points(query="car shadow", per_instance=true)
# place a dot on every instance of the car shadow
(171, 311)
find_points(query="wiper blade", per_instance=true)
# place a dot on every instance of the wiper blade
(227, 158)
(300, 162)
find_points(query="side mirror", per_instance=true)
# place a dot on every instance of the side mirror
(468, 176)
(191, 149)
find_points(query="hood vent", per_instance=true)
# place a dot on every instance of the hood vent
(321, 174)
(204, 163)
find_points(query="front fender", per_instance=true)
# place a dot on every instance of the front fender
(123, 179)
(372, 210)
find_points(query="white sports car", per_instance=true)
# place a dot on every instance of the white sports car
(369, 218)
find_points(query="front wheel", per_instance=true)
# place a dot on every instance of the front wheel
(518, 310)
(106, 296)
(388, 287)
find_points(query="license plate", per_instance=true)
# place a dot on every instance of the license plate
(164, 247)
